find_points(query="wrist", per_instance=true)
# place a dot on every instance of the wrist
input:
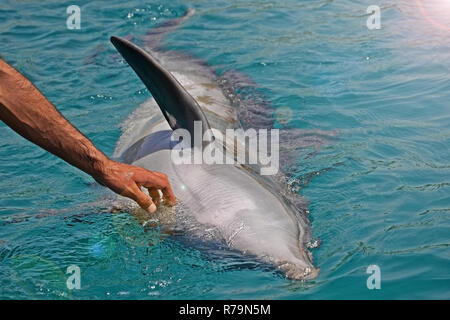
(99, 164)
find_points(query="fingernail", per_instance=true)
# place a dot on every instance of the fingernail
(152, 208)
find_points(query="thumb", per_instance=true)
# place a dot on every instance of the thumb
(142, 199)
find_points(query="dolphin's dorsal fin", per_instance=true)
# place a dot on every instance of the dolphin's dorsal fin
(178, 107)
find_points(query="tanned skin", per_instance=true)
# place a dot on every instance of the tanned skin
(25, 109)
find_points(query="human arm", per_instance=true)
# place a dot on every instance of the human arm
(26, 110)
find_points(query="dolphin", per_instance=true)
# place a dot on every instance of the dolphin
(234, 203)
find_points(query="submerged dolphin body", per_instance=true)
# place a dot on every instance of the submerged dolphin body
(242, 208)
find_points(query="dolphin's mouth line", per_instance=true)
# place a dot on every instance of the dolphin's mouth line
(234, 235)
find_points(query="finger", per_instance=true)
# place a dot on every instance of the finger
(169, 196)
(162, 182)
(154, 194)
(166, 189)
(141, 198)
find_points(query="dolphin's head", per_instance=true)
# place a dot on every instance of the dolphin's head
(293, 271)
(247, 215)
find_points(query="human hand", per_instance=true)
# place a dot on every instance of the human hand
(127, 180)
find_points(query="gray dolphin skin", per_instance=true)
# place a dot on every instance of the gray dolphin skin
(229, 203)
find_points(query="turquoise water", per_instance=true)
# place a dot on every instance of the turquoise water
(380, 192)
